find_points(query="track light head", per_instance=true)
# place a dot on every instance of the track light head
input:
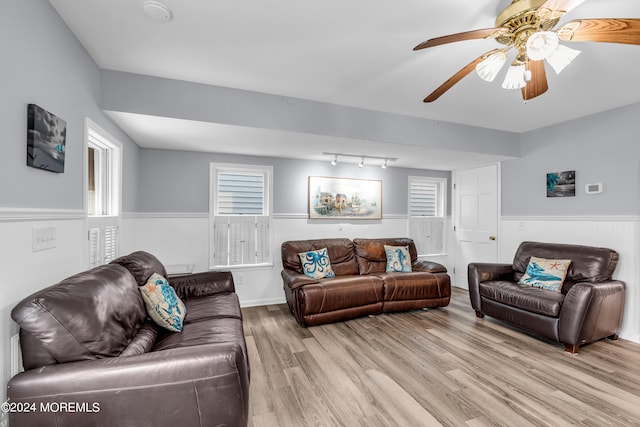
(361, 164)
(384, 165)
(334, 161)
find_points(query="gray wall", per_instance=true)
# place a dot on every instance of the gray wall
(43, 64)
(601, 148)
(178, 181)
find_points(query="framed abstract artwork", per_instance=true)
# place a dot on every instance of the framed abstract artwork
(46, 138)
(561, 184)
(344, 198)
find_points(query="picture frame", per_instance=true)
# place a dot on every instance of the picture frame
(561, 184)
(344, 198)
(46, 139)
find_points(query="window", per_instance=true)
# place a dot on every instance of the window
(426, 214)
(240, 213)
(103, 184)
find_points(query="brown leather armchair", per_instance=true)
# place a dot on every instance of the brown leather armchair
(588, 308)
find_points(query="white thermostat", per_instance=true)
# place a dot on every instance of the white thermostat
(593, 188)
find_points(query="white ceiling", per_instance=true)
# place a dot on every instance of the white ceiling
(355, 53)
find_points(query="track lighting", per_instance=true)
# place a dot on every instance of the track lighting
(384, 160)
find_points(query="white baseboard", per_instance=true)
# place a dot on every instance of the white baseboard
(261, 302)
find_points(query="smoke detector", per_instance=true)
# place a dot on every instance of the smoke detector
(156, 11)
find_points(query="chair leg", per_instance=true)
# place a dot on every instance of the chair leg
(571, 348)
(479, 314)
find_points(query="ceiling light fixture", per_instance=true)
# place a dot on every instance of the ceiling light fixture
(384, 164)
(561, 57)
(515, 78)
(541, 44)
(489, 68)
(156, 11)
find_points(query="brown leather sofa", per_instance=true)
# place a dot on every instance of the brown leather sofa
(92, 357)
(588, 308)
(360, 286)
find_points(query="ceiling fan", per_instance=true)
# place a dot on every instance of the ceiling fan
(527, 26)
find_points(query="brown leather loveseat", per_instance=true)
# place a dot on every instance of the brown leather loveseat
(92, 357)
(361, 285)
(588, 307)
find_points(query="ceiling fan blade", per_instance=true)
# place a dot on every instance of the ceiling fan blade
(538, 83)
(626, 31)
(458, 37)
(457, 77)
(554, 9)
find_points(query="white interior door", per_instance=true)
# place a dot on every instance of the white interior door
(476, 211)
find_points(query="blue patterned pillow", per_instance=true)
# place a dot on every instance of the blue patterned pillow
(316, 264)
(545, 273)
(163, 304)
(398, 259)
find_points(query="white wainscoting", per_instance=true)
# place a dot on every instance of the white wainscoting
(183, 239)
(25, 271)
(616, 232)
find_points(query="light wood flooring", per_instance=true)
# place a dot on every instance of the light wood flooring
(429, 368)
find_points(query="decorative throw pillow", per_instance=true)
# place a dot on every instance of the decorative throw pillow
(398, 259)
(545, 273)
(316, 264)
(163, 304)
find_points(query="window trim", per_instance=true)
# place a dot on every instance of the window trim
(267, 172)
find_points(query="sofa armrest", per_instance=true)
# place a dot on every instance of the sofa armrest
(478, 272)
(150, 388)
(588, 306)
(202, 284)
(428, 266)
(293, 280)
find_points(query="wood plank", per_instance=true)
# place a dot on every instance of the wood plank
(432, 367)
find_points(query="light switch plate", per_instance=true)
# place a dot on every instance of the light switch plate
(43, 238)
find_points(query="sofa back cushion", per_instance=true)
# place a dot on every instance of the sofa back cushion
(371, 256)
(91, 315)
(142, 265)
(588, 263)
(341, 254)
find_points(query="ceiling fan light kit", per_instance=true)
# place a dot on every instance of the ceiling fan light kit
(489, 68)
(527, 26)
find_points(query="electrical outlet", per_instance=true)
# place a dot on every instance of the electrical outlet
(43, 238)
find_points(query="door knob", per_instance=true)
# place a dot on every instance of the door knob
(492, 237)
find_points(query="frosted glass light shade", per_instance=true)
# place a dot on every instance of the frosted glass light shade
(489, 68)
(515, 77)
(562, 57)
(541, 44)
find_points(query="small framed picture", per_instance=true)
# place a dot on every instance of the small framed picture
(46, 138)
(561, 184)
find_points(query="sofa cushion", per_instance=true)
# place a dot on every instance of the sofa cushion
(371, 256)
(416, 285)
(219, 305)
(163, 305)
(588, 263)
(204, 332)
(341, 292)
(398, 259)
(340, 251)
(537, 300)
(316, 264)
(545, 273)
(142, 265)
(90, 315)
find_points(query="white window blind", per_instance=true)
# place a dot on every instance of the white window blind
(103, 245)
(426, 214)
(240, 215)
